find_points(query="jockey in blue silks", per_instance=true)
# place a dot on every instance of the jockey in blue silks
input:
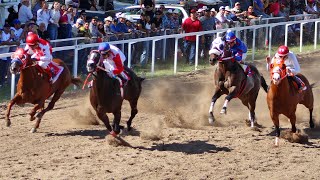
(238, 49)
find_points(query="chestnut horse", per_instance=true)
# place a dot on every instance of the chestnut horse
(34, 86)
(283, 97)
(230, 79)
(106, 95)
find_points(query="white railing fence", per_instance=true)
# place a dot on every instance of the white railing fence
(264, 31)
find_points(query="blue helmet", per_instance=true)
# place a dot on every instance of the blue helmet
(104, 47)
(230, 36)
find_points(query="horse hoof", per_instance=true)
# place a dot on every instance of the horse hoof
(223, 111)
(211, 118)
(32, 118)
(8, 123)
(33, 130)
(311, 125)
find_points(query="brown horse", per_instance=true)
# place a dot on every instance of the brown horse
(34, 86)
(106, 95)
(230, 79)
(283, 97)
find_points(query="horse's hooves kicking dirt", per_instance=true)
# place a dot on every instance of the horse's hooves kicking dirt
(294, 137)
(116, 141)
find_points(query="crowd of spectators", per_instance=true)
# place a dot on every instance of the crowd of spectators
(65, 21)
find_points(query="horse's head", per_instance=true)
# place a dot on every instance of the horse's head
(93, 60)
(219, 52)
(18, 60)
(278, 71)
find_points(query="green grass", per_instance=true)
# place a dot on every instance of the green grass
(165, 69)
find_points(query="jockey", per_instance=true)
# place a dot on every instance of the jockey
(292, 64)
(41, 51)
(113, 60)
(238, 49)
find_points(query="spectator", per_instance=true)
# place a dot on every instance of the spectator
(148, 7)
(101, 28)
(84, 31)
(83, 15)
(93, 28)
(63, 23)
(166, 20)
(297, 7)
(25, 14)
(208, 23)
(162, 8)
(75, 28)
(310, 7)
(37, 6)
(130, 24)
(213, 13)
(43, 15)
(42, 32)
(238, 12)
(250, 13)
(157, 21)
(121, 26)
(191, 24)
(222, 21)
(176, 21)
(12, 15)
(107, 22)
(70, 15)
(229, 14)
(259, 8)
(54, 21)
(6, 38)
(17, 30)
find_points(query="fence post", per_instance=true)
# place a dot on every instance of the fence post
(197, 53)
(175, 56)
(164, 46)
(315, 34)
(253, 43)
(270, 40)
(75, 64)
(301, 35)
(286, 34)
(129, 54)
(153, 57)
(13, 84)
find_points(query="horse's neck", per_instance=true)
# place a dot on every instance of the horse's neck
(29, 78)
(104, 85)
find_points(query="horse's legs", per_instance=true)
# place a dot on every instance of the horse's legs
(252, 114)
(116, 122)
(293, 119)
(275, 120)
(11, 103)
(311, 123)
(215, 97)
(134, 111)
(233, 90)
(104, 118)
(35, 109)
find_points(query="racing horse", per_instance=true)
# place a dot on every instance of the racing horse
(230, 79)
(34, 86)
(106, 95)
(283, 97)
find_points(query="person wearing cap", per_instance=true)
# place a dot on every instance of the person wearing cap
(6, 38)
(222, 21)
(25, 13)
(291, 62)
(175, 20)
(166, 19)
(213, 12)
(40, 51)
(191, 24)
(113, 61)
(121, 26)
(17, 30)
(107, 23)
(208, 23)
(75, 28)
(94, 28)
(54, 21)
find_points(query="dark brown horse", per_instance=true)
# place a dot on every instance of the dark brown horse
(283, 97)
(34, 86)
(106, 97)
(230, 79)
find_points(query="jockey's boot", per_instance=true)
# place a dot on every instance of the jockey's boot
(49, 73)
(124, 78)
(301, 85)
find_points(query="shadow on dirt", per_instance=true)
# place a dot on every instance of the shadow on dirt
(192, 147)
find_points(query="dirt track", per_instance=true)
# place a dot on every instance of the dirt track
(171, 138)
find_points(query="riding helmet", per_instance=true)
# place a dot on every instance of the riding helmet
(283, 50)
(104, 47)
(32, 39)
(230, 36)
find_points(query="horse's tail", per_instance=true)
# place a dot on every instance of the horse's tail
(76, 81)
(264, 84)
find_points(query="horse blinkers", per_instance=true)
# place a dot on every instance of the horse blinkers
(277, 72)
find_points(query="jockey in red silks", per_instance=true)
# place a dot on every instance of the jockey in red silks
(113, 60)
(292, 64)
(41, 51)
